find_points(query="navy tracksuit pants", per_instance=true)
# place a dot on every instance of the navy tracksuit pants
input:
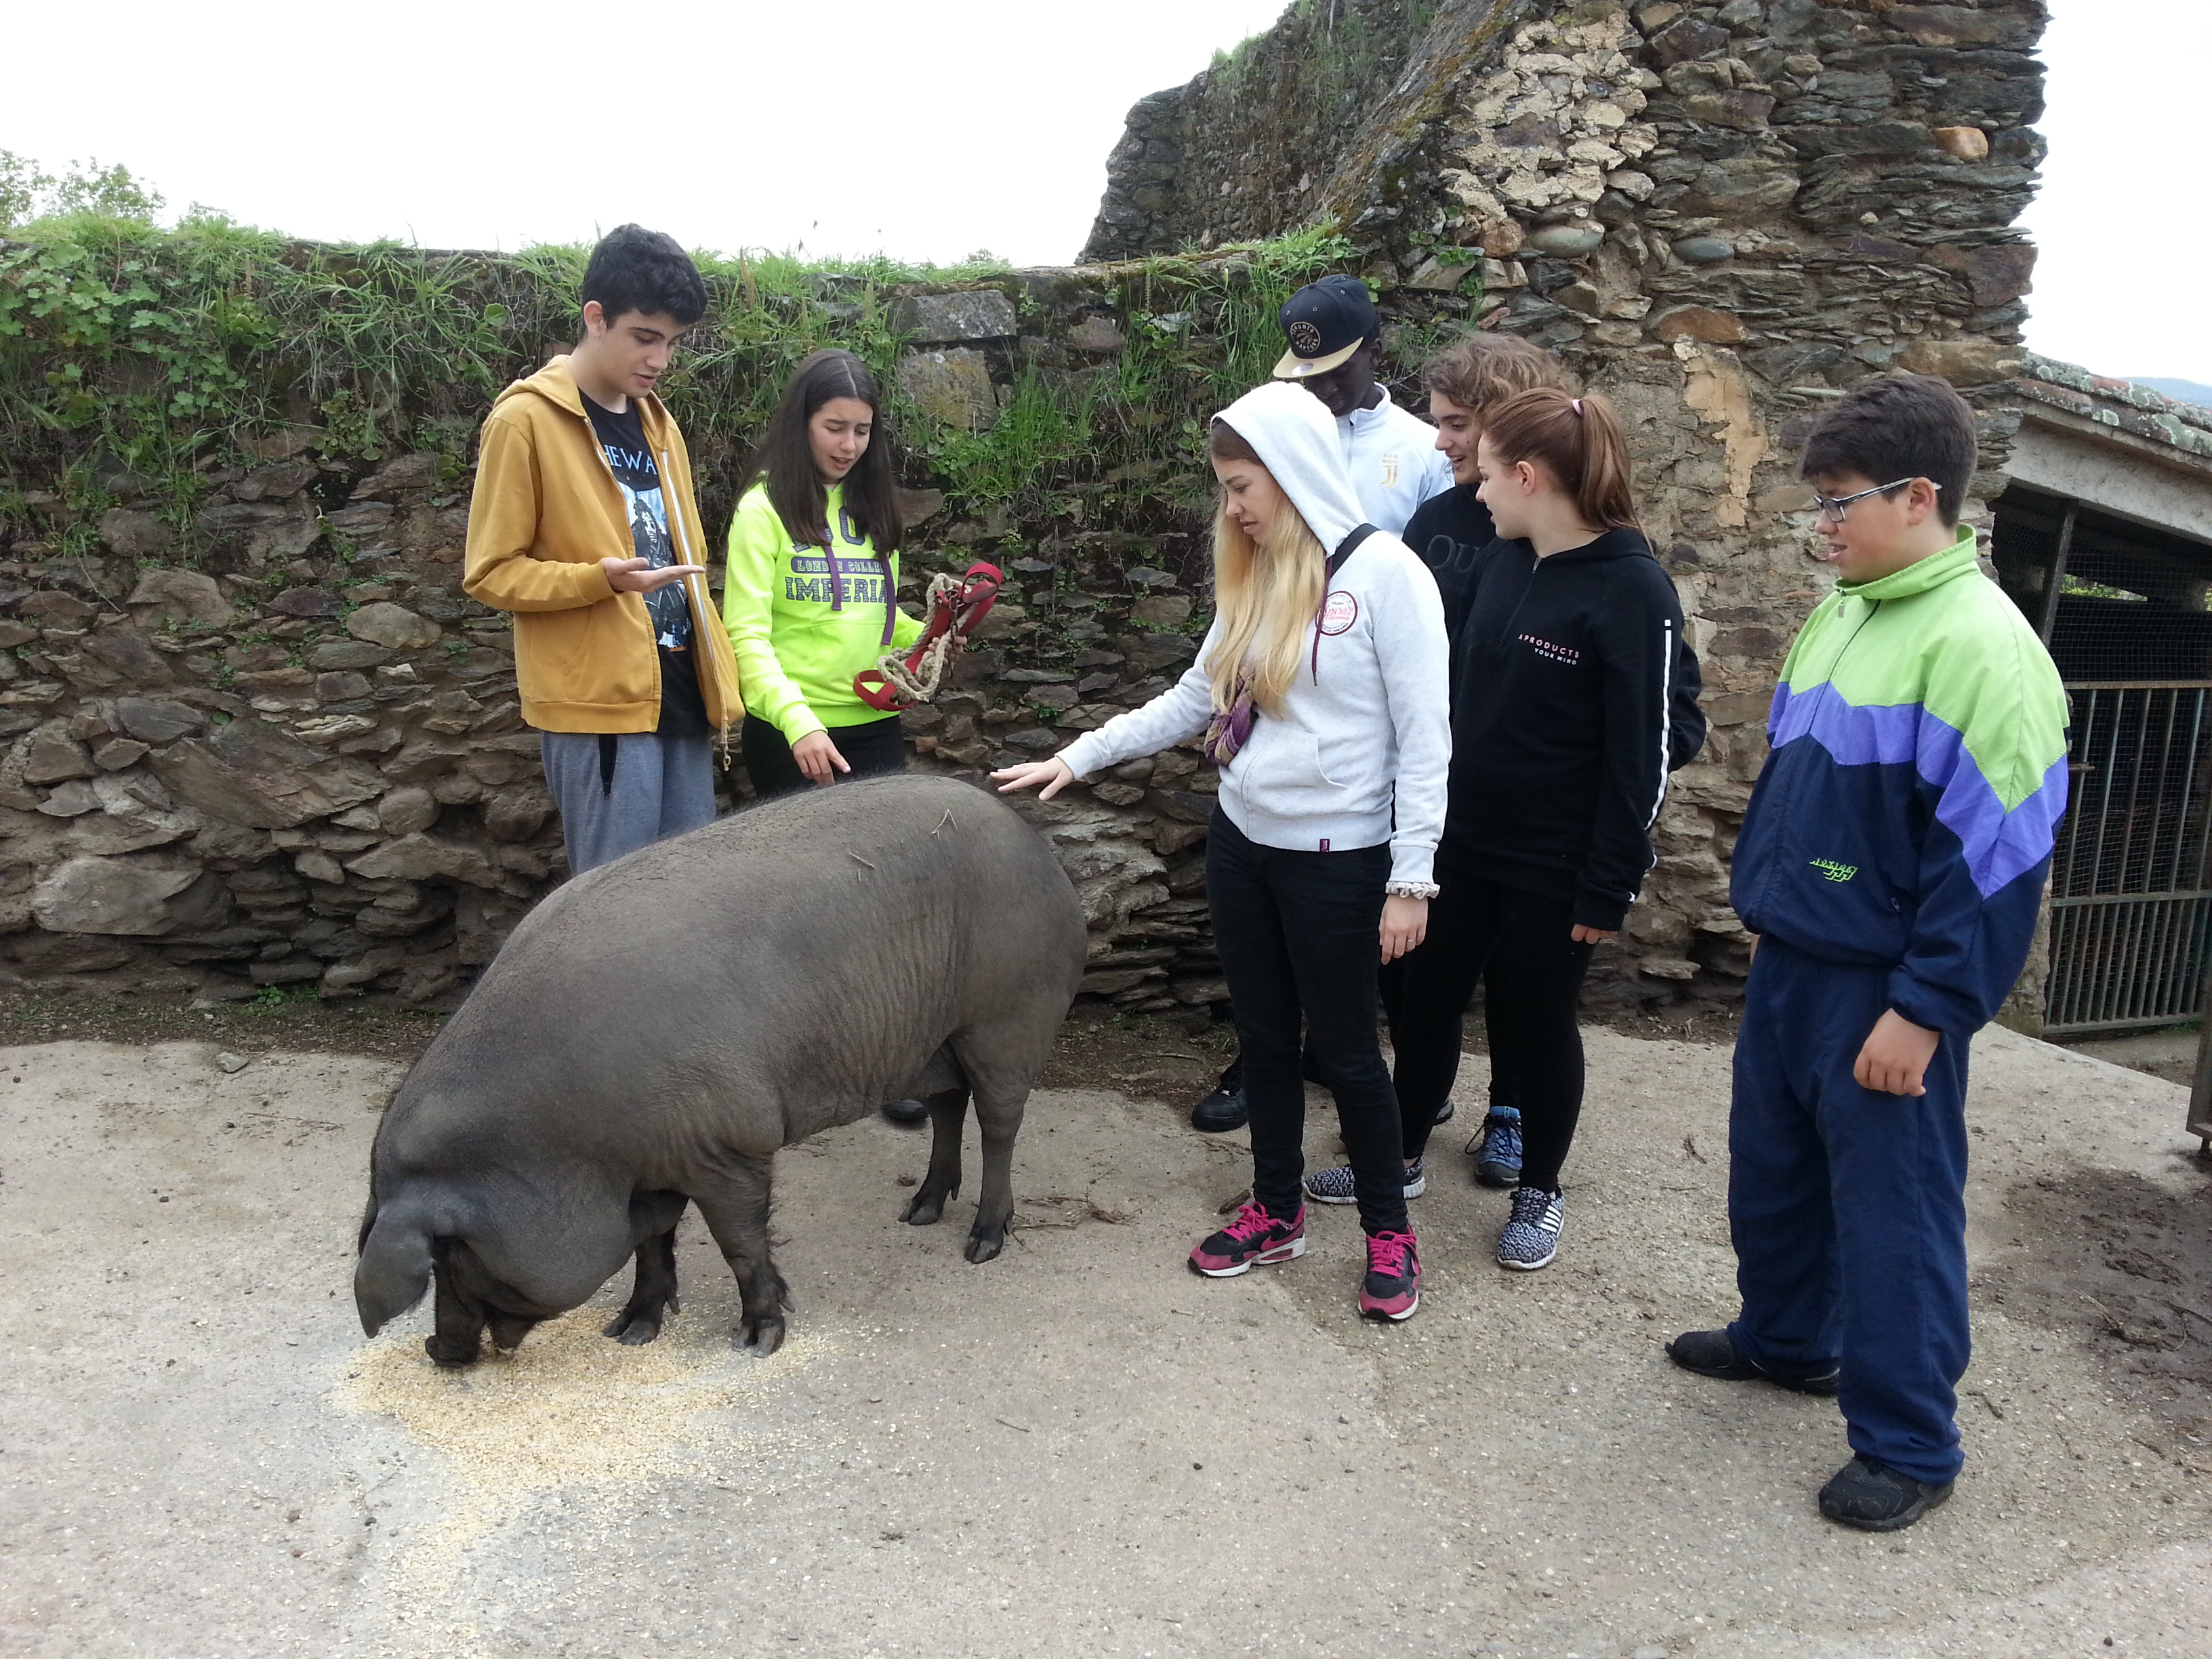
(1848, 1210)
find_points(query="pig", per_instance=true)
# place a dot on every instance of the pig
(656, 1029)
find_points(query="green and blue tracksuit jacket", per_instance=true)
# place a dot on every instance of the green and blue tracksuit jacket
(1904, 817)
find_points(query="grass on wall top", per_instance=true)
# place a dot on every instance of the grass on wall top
(130, 350)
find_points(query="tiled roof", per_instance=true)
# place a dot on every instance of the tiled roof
(2121, 404)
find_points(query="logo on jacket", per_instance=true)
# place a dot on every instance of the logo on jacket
(1833, 871)
(1338, 612)
(1551, 652)
(1389, 472)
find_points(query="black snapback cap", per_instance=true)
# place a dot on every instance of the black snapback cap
(1325, 322)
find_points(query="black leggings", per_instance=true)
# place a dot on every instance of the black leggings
(874, 747)
(1299, 937)
(1521, 946)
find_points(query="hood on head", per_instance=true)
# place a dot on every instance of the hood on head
(1296, 442)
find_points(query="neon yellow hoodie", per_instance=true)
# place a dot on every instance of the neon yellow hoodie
(803, 620)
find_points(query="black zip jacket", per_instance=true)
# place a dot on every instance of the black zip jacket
(1574, 695)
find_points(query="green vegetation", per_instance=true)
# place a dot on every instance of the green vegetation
(139, 360)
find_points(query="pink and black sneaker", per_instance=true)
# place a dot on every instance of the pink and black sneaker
(1391, 1289)
(1254, 1235)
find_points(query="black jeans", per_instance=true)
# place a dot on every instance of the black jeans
(1299, 935)
(1521, 947)
(874, 747)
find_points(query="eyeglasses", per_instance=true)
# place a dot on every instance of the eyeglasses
(1836, 506)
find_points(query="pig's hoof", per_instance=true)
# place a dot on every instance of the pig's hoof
(925, 1210)
(633, 1327)
(762, 1334)
(983, 1247)
(449, 1359)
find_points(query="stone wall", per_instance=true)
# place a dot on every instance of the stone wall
(254, 735)
(1723, 216)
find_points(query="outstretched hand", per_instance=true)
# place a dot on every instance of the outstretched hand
(636, 576)
(1054, 774)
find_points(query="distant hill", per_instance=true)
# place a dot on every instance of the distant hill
(2189, 391)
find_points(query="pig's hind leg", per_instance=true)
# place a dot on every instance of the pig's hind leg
(652, 1218)
(948, 1117)
(999, 1118)
(734, 1199)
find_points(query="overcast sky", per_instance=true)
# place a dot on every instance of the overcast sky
(927, 130)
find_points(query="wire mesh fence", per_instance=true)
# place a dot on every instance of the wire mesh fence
(2129, 900)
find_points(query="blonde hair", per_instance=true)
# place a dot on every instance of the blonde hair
(1266, 593)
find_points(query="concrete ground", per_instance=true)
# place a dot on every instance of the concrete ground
(1080, 1448)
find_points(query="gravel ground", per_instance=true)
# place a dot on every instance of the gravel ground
(1079, 1447)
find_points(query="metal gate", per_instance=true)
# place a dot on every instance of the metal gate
(2130, 905)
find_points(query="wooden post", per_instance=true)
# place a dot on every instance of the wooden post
(2057, 577)
(2200, 1089)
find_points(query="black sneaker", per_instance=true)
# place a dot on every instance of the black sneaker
(1875, 1498)
(1710, 1353)
(908, 1111)
(1224, 1109)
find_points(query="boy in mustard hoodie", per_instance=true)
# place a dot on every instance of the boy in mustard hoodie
(585, 527)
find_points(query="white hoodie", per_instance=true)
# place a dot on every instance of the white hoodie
(1359, 753)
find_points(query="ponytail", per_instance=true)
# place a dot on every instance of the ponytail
(1579, 442)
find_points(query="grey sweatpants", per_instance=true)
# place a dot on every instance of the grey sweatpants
(619, 792)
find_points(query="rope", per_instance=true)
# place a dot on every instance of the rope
(921, 683)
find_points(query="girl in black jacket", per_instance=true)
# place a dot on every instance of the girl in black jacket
(1567, 656)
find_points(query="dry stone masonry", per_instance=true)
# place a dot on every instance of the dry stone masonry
(272, 745)
(1722, 215)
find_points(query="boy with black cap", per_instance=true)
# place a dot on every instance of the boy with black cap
(1335, 336)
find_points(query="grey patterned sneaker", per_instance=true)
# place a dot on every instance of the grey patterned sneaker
(1335, 1185)
(1531, 1238)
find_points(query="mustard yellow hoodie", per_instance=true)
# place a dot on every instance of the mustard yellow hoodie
(546, 510)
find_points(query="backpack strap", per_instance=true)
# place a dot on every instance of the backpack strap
(1345, 549)
(1348, 546)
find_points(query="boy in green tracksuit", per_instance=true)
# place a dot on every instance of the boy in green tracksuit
(1892, 864)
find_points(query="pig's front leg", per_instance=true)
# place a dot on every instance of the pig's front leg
(653, 1217)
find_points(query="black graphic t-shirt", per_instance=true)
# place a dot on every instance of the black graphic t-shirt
(1448, 531)
(682, 710)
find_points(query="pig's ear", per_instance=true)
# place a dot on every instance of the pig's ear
(394, 1269)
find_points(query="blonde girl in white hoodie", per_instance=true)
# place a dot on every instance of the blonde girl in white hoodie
(1320, 691)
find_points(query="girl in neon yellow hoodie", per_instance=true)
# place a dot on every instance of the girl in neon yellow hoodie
(812, 594)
